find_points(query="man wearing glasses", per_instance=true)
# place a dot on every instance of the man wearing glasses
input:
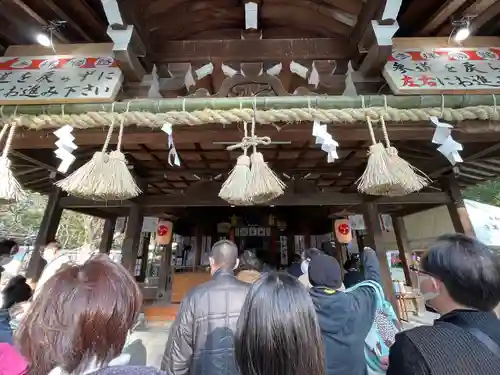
(460, 279)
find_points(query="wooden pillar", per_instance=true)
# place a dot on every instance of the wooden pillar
(46, 233)
(198, 249)
(374, 239)
(403, 246)
(458, 212)
(146, 239)
(108, 232)
(132, 239)
(165, 274)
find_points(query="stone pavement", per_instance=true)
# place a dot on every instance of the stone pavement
(153, 338)
(149, 350)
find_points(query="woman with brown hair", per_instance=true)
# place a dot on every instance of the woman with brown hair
(78, 323)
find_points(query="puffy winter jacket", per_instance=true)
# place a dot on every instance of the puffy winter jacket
(201, 340)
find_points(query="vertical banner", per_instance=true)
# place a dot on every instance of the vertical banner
(284, 250)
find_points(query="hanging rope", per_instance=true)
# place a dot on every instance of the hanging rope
(238, 115)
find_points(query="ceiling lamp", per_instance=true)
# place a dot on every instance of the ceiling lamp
(461, 29)
(44, 40)
(462, 34)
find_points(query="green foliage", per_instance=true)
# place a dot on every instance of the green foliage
(21, 221)
(488, 193)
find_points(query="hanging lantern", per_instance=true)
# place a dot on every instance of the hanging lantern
(343, 230)
(164, 232)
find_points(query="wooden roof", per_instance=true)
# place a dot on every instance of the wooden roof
(299, 162)
(181, 35)
(434, 18)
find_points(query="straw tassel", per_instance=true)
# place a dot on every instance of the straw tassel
(105, 176)
(10, 188)
(263, 184)
(234, 189)
(377, 178)
(407, 178)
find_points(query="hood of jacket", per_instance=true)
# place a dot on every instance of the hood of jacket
(333, 308)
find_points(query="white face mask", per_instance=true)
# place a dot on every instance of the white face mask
(429, 295)
(304, 266)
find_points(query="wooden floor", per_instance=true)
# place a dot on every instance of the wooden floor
(159, 314)
(182, 283)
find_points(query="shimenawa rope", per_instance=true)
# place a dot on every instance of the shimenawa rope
(235, 115)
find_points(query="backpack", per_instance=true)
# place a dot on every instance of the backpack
(383, 332)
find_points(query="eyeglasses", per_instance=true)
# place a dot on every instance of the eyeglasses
(422, 272)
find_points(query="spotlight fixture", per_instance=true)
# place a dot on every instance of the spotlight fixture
(462, 34)
(461, 28)
(43, 40)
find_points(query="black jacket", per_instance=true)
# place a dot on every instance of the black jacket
(447, 349)
(201, 340)
(345, 320)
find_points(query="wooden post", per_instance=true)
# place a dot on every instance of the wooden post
(458, 213)
(403, 246)
(132, 238)
(165, 274)
(338, 252)
(108, 232)
(146, 239)
(199, 242)
(46, 233)
(375, 240)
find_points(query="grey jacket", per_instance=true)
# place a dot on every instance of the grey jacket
(201, 340)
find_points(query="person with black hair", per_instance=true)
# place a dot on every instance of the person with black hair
(460, 278)
(353, 273)
(16, 291)
(295, 268)
(307, 255)
(278, 332)
(201, 338)
(8, 248)
(250, 268)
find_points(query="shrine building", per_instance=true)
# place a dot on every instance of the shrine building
(176, 86)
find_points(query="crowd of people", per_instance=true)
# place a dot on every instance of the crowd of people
(247, 321)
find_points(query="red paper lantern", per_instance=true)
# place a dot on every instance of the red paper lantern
(164, 232)
(343, 230)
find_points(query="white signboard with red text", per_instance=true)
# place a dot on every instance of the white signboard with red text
(444, 71)
(58, 79)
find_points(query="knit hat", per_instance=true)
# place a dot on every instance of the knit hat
(324, 270)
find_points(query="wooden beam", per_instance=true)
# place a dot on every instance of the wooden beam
(481, 11)
(34, 161)
(481, 19)
(37, 18)
(478, 155)
(250, 50)
(127, 43)
(456, 206)
(368, 13)
(316, 199)
(441, 16)
(465, 131)
(64, 17)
